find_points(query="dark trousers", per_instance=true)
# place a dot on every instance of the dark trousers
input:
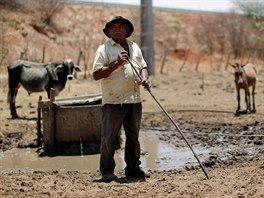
(114, 116)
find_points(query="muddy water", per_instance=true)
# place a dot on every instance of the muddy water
(155, 155)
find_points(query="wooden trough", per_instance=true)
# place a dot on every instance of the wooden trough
(68, 121)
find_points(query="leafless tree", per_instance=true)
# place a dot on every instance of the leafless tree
(254, 9)
(204, 34)
(49, 8)
(241, 35)
(170, 42)
(228, 34)
(11, 4)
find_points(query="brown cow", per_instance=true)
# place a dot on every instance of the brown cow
(245, 77)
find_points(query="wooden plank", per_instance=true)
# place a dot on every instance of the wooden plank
(78, 97)
(80, 101)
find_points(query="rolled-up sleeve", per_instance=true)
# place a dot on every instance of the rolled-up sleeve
(100, 59)
(139, 57)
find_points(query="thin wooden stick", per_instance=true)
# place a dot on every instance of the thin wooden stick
(174, 123)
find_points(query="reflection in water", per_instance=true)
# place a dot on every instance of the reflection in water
(156, 155)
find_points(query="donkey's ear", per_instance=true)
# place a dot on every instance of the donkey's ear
(232, 65)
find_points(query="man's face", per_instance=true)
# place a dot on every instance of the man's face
(118, 30)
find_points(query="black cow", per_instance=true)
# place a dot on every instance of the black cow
(36, 77)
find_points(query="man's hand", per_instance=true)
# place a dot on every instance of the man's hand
(106, 70)
(144, 79)
(122, 58)
(146, 83)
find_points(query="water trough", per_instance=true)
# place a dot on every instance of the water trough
(64, 124)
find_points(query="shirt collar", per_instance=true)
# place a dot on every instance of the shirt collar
(115, 43)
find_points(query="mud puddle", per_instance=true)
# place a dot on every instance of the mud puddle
(155, 155)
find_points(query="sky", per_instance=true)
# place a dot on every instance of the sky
(203, 5)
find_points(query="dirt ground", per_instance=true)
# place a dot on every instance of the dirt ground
(202, 103)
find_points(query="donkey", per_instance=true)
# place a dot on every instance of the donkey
(245, 77)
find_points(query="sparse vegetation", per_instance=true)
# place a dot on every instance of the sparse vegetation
(48, 9)
(64, 30)
(254, 10)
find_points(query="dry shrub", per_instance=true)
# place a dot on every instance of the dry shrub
(48, 9)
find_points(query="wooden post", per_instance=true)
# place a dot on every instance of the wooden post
(52, 123)
(52, 95)
(228, 60)
(163, 61)
(78, 61)
(202, 85)
(22, 55)
(43, 54)
(39, 135)
(185, 58)
(199, 56)
(220, 62)
(253, 57)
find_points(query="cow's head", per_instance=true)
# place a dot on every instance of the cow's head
(66, 69)
(70, 68)
(63, 70)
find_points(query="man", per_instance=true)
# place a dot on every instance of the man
(121, 101)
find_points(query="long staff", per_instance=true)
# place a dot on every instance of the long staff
(174, 123)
